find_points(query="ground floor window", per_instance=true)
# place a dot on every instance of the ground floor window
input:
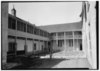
(35, 46)
(71, 43)
(60, 43)
(11, 47)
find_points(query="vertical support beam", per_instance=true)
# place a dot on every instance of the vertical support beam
(73, 40)
(4, 32)
(56, 41)
(39, 45)
(46, 44)
(16, 39)
(56, 38)
(77, 44)
(64, 43)
(15, 46)
(26, 46)
(33, 46)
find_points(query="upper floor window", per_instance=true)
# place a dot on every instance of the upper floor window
(29, 29)
(36, 31)
(61, 34)
(21, 26)
(41, 33)
(78, 33)
(68, 33)
(11, 23)
(53, 35)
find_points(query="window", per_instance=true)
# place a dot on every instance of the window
(68, 33)
(41, 33)
(36, 31)
(70, 43)
(60, 43)
(29, 29)
(21, 26)
(53, 35)
(11, 23)
(60, 35)
(78, 33)
(35, 46)
(11, 47)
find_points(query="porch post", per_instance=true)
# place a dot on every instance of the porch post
(73, 39)
(64, 43)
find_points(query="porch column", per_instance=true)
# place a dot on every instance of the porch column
(15, 46)
(64, 43)
(73, 40)
(77, 45)
(57, 40)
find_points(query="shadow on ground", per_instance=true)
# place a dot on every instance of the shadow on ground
(31, 62)
(36, 63)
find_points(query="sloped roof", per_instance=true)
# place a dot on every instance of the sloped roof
(62, 27)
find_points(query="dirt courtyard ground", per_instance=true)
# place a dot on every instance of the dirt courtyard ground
(55, 62)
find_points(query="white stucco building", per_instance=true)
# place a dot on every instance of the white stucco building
(89, 32)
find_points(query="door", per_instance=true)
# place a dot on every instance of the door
(80, 46)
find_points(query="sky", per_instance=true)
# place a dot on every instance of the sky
(47, 13)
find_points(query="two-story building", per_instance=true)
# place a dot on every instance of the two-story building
(66, 36)
(23, 38)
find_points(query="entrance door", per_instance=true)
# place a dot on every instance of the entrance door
(80, 46)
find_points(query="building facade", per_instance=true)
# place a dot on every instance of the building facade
(67, 37)
(20, 37)
(89, 31)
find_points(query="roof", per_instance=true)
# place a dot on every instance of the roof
(62, 27)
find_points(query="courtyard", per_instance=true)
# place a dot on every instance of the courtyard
(58, 60)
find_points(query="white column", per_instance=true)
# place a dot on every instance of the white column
(56, 39)
(77, 44)
(64, 43)
(73, 39)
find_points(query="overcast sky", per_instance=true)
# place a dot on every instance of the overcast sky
(46, 13)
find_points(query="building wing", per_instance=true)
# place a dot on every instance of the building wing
(62, 27)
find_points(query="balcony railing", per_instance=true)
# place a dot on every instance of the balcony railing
(77, 36)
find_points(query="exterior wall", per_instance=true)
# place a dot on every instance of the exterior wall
(75, 45)
(31, 35)
(4, 31)
(89, 33)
